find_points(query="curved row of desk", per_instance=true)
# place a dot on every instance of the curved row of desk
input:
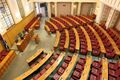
(73, 67)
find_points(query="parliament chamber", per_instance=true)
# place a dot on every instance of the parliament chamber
(60, 40)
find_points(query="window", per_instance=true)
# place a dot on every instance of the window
(6, 19)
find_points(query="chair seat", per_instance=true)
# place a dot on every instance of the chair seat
(111, 78)
(112, 73)
(68, 59)
(79, 67)
(42, 71)
(93, 77)
(95, 71)
(82, 61)
(83, 51)
(52, 61)
(62, 48)
(56, 76)
(48, 66)
(96, 64)
(36, 77)
(60, 71)
(112, 66)
(55, 56)
(95, 52)
(72, 49)
(64, 65)
(76, 74)
(110, 55)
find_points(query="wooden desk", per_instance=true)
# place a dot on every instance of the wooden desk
(63, 26)
(47, 29)
(102, 47)
(79, 19)
(70, 67)
(72, 20)
(36, 21)
(67, 39)
(89, 45)
(77, 47)
(117, 51)
(53, 67)
(56, 28)
(34, 68)
(115, 33)
(35, 55)
(57, 39)
(4, 64)
(85, 73)
(66, 21)
(22, 44)
(104, 69)
(87, 19)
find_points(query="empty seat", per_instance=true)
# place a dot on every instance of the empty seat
(96, 64)
(68, 59)
(36, 77)
(55, 56)
(48, 66)
(42, 71)
(93, 77)
(79, 67)
(60, 71)
(64, 65)
(95, 71)
(76, 75)
(56, 76)
(112, 66)
(52, 61)
(82, 61)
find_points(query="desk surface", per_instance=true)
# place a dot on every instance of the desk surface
(104, 69)
(87, 38)
(35, 55)
(66, 21)
(57, 39)
(86, 70)
(67, 39)
(79, 19)
(72, 20)
(56, 28)
(63, 26)
(47, 28)
(53, 67)
(87, 18)
(102, 47)
(77, 39)
(70, 67)
(34, 68)
(117, 51)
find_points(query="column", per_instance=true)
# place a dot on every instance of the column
(99, 12)
(79, 9)
(112, 18)
(55, 8)
(49, 10)
(72, 8)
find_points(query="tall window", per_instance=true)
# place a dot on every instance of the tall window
(6, 19)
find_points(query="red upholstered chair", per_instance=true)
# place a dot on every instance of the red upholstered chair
(110, 55)
(55, 56)
(93, 77)
(111, 78)
(39, 60)
(83, 51)
(64, 65)
(60, 71)
(112, 66)
(76, 75)
(62, 44)
(112, 73)
(95, 52)
(68, 59)
(95, 71)
(47, 66)
(56, 76)
(42, 71)
(62, 48)
(96, 64)
(43, 56)
(62, 41)
(52, 61)
(72, 45)
(79, 67)
(36, 77)
(72, 49)
(82, 61)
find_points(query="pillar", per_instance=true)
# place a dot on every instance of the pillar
(99, 12)
(79, 9)
(112, 18)
(72, 8)
(55, 8)
(49, 10)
